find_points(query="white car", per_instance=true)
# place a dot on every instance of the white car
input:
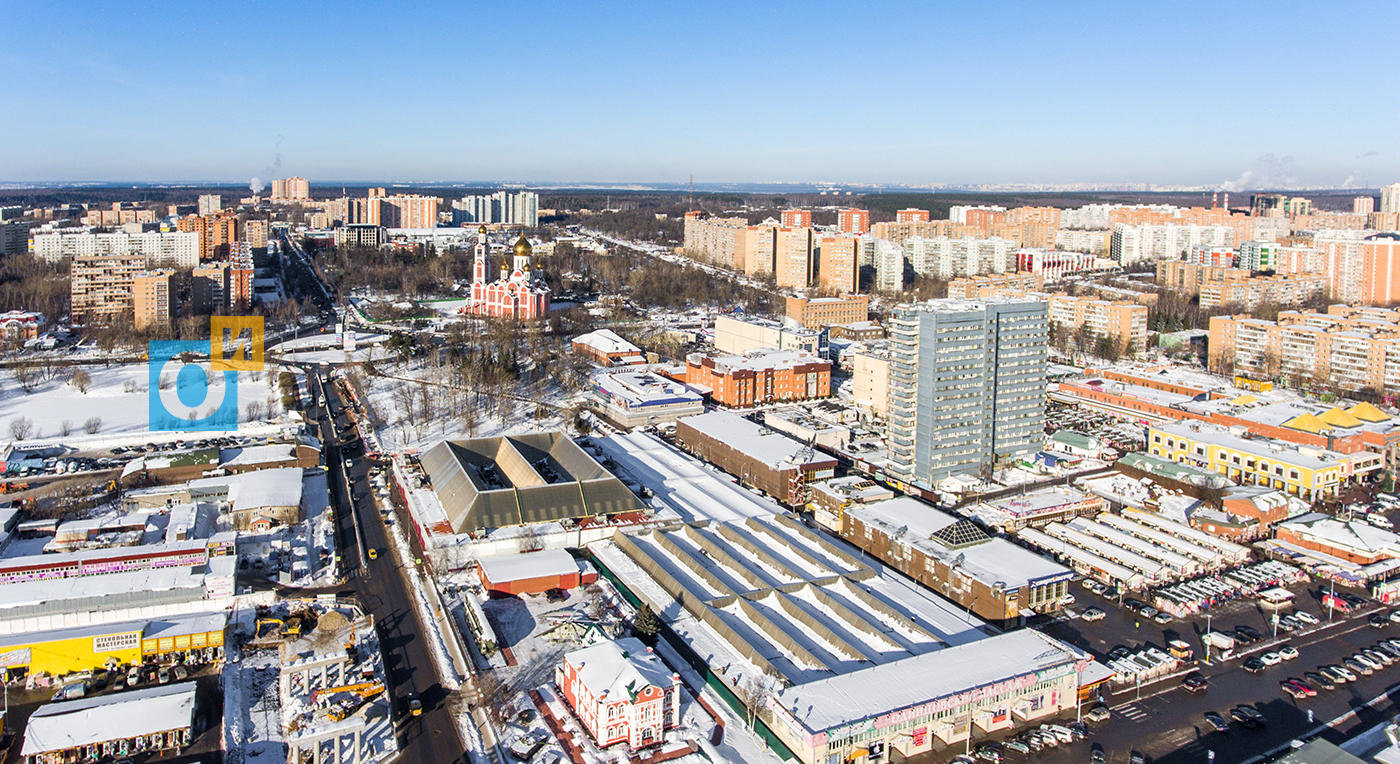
(1271, 659)
(1288, 652)
(1395, 616)
(1093, 614)
(1067, 600)
(1307, 617)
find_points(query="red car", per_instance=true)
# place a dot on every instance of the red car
(1304, 688)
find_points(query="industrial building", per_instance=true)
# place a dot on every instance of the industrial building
(992, 577)
(758, 456)
(831, 498)
(181, 466)
(486, 483)
(148, 721)
(1037, 508)
(846, 656)
(197, 638)
(533, 572)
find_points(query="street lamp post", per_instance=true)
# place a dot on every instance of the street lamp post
(1207, 639)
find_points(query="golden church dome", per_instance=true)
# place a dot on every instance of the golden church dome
(522, 247)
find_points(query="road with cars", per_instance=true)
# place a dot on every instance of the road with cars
(380, 587)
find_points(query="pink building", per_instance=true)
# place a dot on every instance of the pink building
(516, 292)
(911, 215)
(796, 218)
(621, 691)
(853, 221)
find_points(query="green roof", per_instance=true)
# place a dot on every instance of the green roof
(1171, 470)
(1073, 439)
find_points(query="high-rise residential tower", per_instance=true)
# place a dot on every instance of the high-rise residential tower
(966, 385)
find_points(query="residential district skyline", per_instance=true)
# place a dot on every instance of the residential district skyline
(891, 93)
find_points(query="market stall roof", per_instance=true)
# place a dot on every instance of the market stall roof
(92, 720)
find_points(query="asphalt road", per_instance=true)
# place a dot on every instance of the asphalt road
(382, 590)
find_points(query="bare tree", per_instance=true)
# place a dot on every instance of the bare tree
(529, 539)
(81, 380)
(254, 410)
(21, 428)
(92, 425)
(65, 428)
(25, 376)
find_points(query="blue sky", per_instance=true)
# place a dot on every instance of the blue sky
(919, 92)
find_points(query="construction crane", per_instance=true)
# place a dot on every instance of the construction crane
(364, 690)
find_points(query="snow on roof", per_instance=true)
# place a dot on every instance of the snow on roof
(250, 455)
(1353, 534)
(1022, 504)
(848, 698)
(256, 490)
(607, 341)
(93, 720)
(624, 667)
(1075, 439)
(515, 567)
(754, 440)
(764, 359)
(641, 388)
(55, 590)
(994, 559)
(695, 492)
(178, 626)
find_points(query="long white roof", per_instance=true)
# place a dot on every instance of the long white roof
(89, 721)
(828, 703)
(1082, 556)
(607, 341)
(515, 567)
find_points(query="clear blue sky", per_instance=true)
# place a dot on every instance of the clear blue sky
(917, 92)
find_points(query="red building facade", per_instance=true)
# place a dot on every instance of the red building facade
(518, 291)
(621, 691)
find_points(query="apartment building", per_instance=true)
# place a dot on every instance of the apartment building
(1121, 321)
(1090, 242)
(793, 257)
(216, 233)
(1347, 348)
(1390, 198)
(1189, 277)
(947, 258)
(969, 214)
(221, 287)
(760, 377)
(821, 312)
(795, 218)
(1053, 266)
(1136, 243)
(870, 381)
(153, 298)
(853, 221)
(407, 211)
(1249, 294)
(911, 215)
(179, 250)
(511, 208)
(255, 233)
(756, 251)
(101, 287)
(979, 287)
(966, 385)
(715, 240)
(838, 263)
(210, 204)
(1308, 472)
(1360, 267)
(889, 262)
(1363, 205)
(291, 190)
(901, 230)
(738, 335)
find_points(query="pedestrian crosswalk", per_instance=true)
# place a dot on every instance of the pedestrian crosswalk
(1132, 713)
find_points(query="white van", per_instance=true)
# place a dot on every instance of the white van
(1380, 521)
(1388, 499)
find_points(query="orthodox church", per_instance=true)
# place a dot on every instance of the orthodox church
(517, 291)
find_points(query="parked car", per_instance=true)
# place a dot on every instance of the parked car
(1195, 683)
(1395, 616)
(1244, 719)
(1306, 689)
(1271, 659)
(1321, 679)
(1378, 620)
(1100, 712)
(1147, 611)
(1094, 614)
(1097, 755)
(1253, 712)
(1293, 691)
(1288, 652)
(1218, 722)
(1163, 618)
(1342, 671)
(1136, 757)
(1254, 665)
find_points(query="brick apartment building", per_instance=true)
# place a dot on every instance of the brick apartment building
(760, 377)
(820, 312)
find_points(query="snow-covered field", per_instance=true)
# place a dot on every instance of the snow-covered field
(118, 396)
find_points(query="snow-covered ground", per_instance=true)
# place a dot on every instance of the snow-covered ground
(252, 708)
(303, 542)
(118, 396)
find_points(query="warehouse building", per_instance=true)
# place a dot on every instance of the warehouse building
(149, 721)
(486, 483)
(995, 579)
(1038, 508)
(762, 458)
(197, 638)
(608, 349)
(534, 572)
